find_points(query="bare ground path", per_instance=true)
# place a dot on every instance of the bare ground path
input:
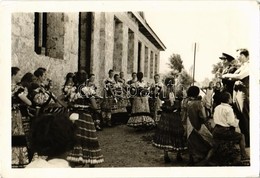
(123, 146)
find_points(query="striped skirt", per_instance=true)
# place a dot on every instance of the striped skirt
(19, 143)
(140, 116)
(87, 149)
(169, 134)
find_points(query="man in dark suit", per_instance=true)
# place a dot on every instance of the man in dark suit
(229, 68)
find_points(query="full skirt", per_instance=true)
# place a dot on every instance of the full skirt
(87, 149)
(140, 116)
(19, 140)
(169, 134)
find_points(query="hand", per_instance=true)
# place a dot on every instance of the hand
(224, 76)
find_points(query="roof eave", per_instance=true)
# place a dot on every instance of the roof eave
(159, 43)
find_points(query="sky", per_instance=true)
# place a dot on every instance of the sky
(215, 27)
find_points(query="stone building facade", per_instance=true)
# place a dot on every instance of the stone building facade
(93, 41)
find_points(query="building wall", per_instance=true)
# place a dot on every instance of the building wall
(24, 57)
(110, 46)
(65, 55)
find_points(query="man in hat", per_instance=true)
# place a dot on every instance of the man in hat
(241, 93)
(229, 67)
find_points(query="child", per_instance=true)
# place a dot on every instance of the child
(68, 87)
(226, 122)
(199, 138)
(217, 95)
(95, 115)
(208, 99)
(53, 135)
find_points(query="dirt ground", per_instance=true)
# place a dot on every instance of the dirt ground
(123, 146)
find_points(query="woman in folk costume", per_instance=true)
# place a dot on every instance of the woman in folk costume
(241, 93)
(108, 100)
(199, 138)
(120, 112)
(154, 101)
(129, 83)
(41, 78)
(20, 122)
(68, 87)
(140, 116)
(169, 134)
(217, 94)
(208, 99)
(95, 115)
(83, 103)
(43, 99)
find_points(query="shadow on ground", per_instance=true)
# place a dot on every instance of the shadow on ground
(123, 146)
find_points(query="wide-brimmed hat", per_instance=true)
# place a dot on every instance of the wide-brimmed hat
(227, 57)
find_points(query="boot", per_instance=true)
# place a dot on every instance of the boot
(166, 157)
(191, 161)
(179, 157)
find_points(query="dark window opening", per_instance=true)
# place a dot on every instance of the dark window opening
(85, 28)
(130, 55)
(40, 32)
(139, 56)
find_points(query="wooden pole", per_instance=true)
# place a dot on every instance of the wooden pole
(194, 64)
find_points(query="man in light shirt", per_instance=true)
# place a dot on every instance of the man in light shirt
(243, 71)
(241, 93)
(226, 122)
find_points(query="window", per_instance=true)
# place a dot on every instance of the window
(40, 32)
(139, 57)
(85, 27)
(49, 31)
(130, 55)
(151, 65)
(146, 62)
(118, 45)
(156, 64)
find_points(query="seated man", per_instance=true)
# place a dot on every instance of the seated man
(226, 122)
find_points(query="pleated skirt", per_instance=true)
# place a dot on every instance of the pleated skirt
(169, 133)
(140, 116)
(87, 149)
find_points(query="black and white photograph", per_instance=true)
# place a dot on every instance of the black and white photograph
(130, 89)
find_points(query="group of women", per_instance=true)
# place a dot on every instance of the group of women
(179, 122)
(32, 97)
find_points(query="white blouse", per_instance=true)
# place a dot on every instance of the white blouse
(53, 163)
(224, 116)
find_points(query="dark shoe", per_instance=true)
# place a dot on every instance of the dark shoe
(91, 165)
(191, 161)
(76, 165)
(98, 128)
(109, 124)
(204, 162)
(167, 159)
(179, 157)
